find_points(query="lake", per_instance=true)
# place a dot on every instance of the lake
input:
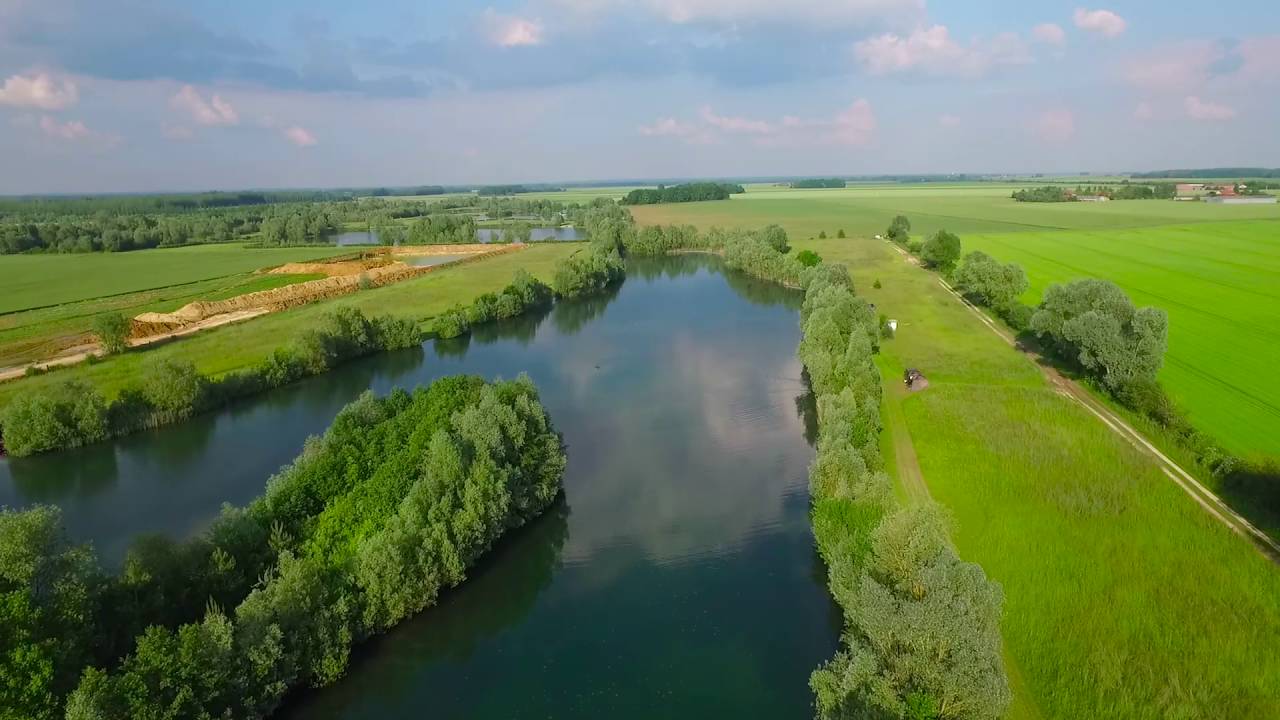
(676, 578)
(483, 235)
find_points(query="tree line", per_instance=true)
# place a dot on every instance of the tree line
(1123, 191)
(816, 183)
(688, 192)
(371, 522)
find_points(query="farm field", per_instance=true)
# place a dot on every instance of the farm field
(1123, 598)
(1220, 284)
(963, 209)
(30, 335)
(32, 281)
(238, 346)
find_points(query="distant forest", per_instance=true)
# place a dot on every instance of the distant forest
(689, 192)
(815, 183)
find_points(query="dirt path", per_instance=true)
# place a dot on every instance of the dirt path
(80, 353)
(1204, 497)
(904, 450)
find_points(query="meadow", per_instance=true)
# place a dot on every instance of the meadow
(1220, 284)
(34, 281)
(239, 346)
(1123, 599)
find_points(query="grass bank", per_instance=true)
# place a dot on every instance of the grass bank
(1123, 598)
(237, 347)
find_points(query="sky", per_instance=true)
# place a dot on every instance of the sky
(139, 95)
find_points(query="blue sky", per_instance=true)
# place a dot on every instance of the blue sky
(136, 95)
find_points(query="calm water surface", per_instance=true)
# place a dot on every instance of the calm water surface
(677, 578)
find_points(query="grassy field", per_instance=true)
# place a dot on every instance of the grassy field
(37, 334)
(964, 209)
(33, 281)
(1220, 284)
(1123, 598)
(234, 347)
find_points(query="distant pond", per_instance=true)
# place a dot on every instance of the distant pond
(677, 578)
(483, 235)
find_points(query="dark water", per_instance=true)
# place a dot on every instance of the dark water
(484, 235)
(676, 579)
(538, 234)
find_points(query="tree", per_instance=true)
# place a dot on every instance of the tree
(941, 251)
(1093, 323)
(808, 258)
(776, 237)
(899, 230)
(988, 282)
(172, 386)
(112, 330)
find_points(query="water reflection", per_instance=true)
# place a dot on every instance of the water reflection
(684, 583)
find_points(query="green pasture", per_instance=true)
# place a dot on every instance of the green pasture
(973, 208)
(234, 347)
(1123, 598)
(32, 281)
(1220, 284)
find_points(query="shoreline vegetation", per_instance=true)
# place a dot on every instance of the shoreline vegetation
(393, 505)
(73, 412)
(922, 627)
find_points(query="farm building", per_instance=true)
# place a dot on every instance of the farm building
(1093, 198)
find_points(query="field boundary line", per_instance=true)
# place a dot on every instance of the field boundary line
(1203, 496)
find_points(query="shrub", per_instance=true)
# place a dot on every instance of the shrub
(172, 387)
(808, 258)
(391, 333)
(112, 330)
(451, 323)
(1016, 315)
(899, 230)
(65, 415)
(877, 284)
(941, 251)
(822, 234)
(840, 233)
(988, 282)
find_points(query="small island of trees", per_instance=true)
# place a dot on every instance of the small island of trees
(688, 192)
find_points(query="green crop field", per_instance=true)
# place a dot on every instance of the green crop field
(234, 347)
(1123, 598)
(976, 208)
(32, 281)
(1220, 284)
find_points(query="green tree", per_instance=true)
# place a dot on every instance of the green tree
(112, 330)
(941, 251)
(989, 282)
(172, 386)
(899, 230)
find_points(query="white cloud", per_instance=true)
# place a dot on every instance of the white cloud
(932, 51)
(1103, 22)
(1198, 109)
(819, 13)
(1049, 34)
(215, 111)
(855, 125)
(300, 136)
(1175, 68)
(949, 120)
(39, 90)
(735, 124)
(1055, 126)
(70, 130)
(511, 31)
(1259, 59)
